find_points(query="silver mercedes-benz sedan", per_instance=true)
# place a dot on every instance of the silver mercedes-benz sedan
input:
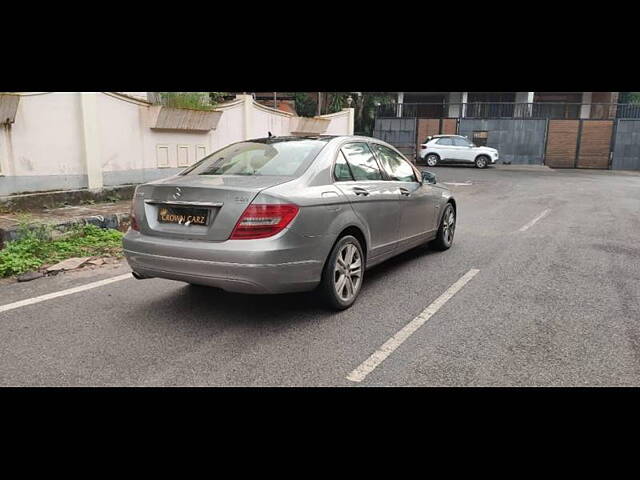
(287, 214)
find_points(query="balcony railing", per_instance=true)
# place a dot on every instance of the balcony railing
(491, 110)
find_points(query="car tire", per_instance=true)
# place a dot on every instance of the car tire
(482, 161)
(446, 230)
(343, 260)
(432, 160)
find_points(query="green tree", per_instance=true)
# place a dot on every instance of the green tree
(365, 104)
(305, 105)
(217, 97)
(634, 97)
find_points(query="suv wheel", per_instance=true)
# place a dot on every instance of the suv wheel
(343, 272)
(482, 161)
(432, 160)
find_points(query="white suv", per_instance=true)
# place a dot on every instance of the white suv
(440, 149)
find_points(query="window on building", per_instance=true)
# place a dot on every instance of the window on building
(480, 137)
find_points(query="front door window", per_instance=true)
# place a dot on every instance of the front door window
(396, 166)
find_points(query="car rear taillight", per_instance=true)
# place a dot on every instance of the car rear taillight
(423, 146)
(132, 216)
(263, 220)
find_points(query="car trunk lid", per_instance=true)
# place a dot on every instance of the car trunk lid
(186, 199)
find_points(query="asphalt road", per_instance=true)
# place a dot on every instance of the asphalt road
(555, 303)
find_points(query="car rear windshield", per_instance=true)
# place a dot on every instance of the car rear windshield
(273, 157)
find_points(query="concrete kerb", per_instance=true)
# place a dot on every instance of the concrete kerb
(118, 221)
(48, 200)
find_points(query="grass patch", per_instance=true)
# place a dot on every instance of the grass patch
(191, 100)
(36, 248)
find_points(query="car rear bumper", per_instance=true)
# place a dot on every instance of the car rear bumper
(261, 268)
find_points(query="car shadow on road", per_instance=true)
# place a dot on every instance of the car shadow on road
(380, 272)
(212, 308)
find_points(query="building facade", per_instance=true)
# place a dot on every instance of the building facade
(570, 105)
(74, 140)
(557, 129)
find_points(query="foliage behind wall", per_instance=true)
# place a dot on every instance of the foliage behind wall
(364, 104)
(192, 100)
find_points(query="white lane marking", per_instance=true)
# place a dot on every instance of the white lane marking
(394, 342)
(62, 293)
(457, 183)
(533, 222)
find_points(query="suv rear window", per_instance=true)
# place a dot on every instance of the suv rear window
(260, 157)
(445, 141)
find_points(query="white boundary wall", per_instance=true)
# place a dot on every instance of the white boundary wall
(76, 140)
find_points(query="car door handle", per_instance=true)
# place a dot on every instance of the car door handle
(405, 192)
(360, 191)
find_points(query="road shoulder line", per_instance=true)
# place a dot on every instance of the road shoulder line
(62, 293)
(535, 220)
(366, 367)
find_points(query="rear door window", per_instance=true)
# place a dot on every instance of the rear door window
(342, 172)
(445, 142)
(362, 162)
(460, 142)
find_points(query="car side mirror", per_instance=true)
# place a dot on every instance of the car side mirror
(428, 177)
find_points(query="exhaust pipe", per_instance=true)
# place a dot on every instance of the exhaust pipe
(137, 276)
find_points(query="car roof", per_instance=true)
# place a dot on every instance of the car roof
(290, 138)
(293, 138)
(325, 138)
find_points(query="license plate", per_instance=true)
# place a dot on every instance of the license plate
(183, 215)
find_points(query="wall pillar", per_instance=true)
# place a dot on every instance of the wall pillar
(6, 154)
(352, 117)
(522, 98)
(464, 99)
(246, 115)
(400, 102)
(89, 110)
(585, 108)
(455, 100)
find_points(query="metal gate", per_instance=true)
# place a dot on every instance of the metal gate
(399, 132)
(519, 141)
(626, 146)
(562, 143)
(594, 148)
(435, 126)
(579, 143)
(427, 127)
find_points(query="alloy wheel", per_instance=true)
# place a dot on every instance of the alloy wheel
(432, 160)
(449, 225)
(347, 274)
